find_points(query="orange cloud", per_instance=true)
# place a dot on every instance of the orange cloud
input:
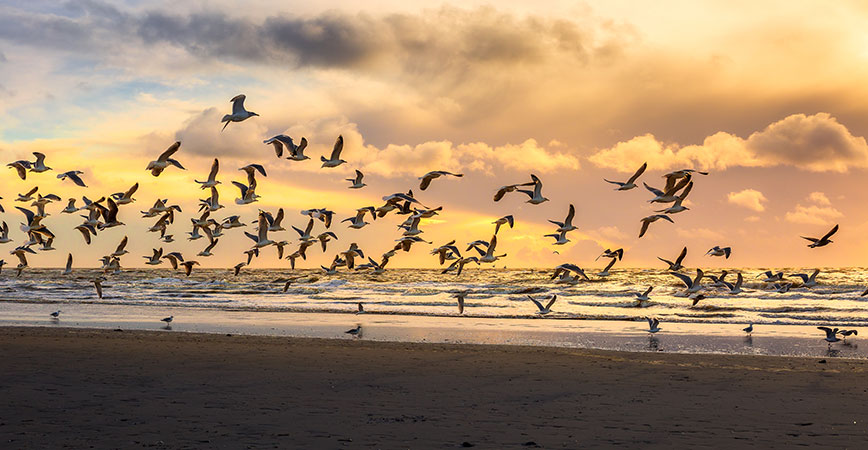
(748, 198)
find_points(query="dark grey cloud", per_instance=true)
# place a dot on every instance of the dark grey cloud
(448, 37)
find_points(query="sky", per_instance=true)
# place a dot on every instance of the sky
(768, 97)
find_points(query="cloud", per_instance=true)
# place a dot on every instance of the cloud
(816, 143)
(748, 198)
(819, 211)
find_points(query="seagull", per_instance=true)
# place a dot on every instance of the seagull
(39, 166)
(27, 196)
(718, 281)
(237, 268)
(677, 207)
(274, 221)
(565, 269)
(207, 252)
(4, 233)
(808, 281)
(648, 220)
(560, 238)
(548, 308)
(97, 283)
(458, 265)
(351, 253)
(188, 266)
(335, 158)
(502, 221)
(168, 320)
(653, 325)
(55, 314)
(238, 112)
(696, 297)
(357, 181)
(357, 331)
(771, 277)
(607, 253)
(461, 296)
(735, 288)
(155, 259)
(488, 256)
(70, 207)
(428, 177)
(68, 269)
(748, 329)
(823, 241)
(509, 188)
(605, 272)
(782, 288)
(280, 142)
(675, 266)
(717, 251)
(669, 193)
(693, 285)
(110, 215)
(21, 167)
(359, 220)
(248, 194)
(212, 176)
(261, 238)
(86, 231)
(125, 198)
(361, 308)
(156, 167)
(847, 333)
(831, 334)
(120, 250)
(444, 249)
(643, 297)
(567, 224)
(631, 182)
(536, 196)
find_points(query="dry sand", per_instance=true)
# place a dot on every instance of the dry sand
(88, 388)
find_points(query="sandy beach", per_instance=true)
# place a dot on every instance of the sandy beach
(79, 388)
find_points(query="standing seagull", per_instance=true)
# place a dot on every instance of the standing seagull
(335, 158)
(239, 114)
(357, 181)
(355, 332)
(748, 329)
(675, 266)
(823, 241)
(428, 177)
(156, 167)
(631, 182)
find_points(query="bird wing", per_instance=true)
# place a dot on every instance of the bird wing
(681, 256)
(238, 104)
(552, 301)
(830, 233)
(169, 152)
(570, 214)
(215, 166)
(122, 245)
(535, 302)
(684, 279)
(644, 228)
(650, 288)
(339, 145)
(654, 191)
(69, 262)
(638, 173)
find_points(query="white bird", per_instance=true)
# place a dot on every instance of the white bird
(164, 160)
(643, 297)
(675, 266)
(4, 233)
(543, 310)
(693, 285)
(565, 269)
(125, 198)
(39, 166)
(650, 219)
(669, 193)
(295, 152)
(488, 256)
(808, 281)
(212, 176)
(428, 177)
(121, 249)
(653, 325)
(261, 238)
(239, 114)
(248, 193)
(560, 238)
(536, 196)
(567, 224)
(21, 167)
(735, 288)
(28, 196)
(631, 182)
(70, 207)
(207, 252)
(357, 181)
(335, 159)
(718, 251)
(677, 207)
(358, 221)
(154, 259)
(503, 221)
(782, 288)
(509, 188)
(771, 277)
(605, 272)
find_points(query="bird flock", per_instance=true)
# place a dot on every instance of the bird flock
(103, 213)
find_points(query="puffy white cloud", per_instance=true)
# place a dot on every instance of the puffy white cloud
(819, 212)
(748, 198)
(817, 143)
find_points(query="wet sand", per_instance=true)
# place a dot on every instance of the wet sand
(81, 388)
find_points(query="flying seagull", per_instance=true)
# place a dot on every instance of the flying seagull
(335, 159)
(357, 181)
(650, 219)
(823, 241)
(428, 177)
(74, 176)
(631, 182)
(567, 224)
(718, 251)
(239, 114)
(505, 220)
(675, 266)
(543, 310)
(157, 166)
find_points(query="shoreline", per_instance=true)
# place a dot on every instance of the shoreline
(77, 387)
